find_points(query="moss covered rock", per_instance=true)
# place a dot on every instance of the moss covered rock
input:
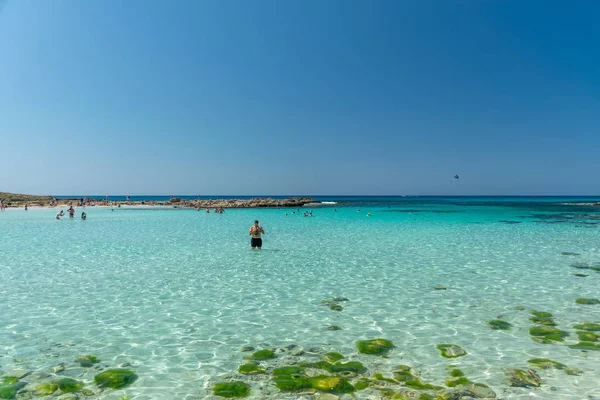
(291, 370)
(292, 383)
(9, 390)
(545, 363)
(331, 384)
(587, 300)
(333, 356)
(586, 346)
(379, 347)
(588, 326)
(235, 389)
(547, 334)
(68, 385)
(264, 354)
(339, 367)
(45, 389)
(418, 385)
(451, 350)
(499, 324)
(522, 378)
(403, 373)
(586, 336)
(250, 369)
(87, 360)
(115, 378)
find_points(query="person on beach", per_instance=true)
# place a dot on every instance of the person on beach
(83, 216)
(255, 231)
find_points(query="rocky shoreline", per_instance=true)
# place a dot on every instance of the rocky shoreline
(20, 200)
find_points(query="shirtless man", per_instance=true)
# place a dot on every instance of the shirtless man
(255, 231)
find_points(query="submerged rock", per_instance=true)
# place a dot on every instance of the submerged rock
(333, 357)
(519, 308)
(440, 287)
(499, 324)
(585, 346)
(247, 348)
(87, 360)
(68, 385)
(521, 378)
(581, 275)
(568, 253)
(45, 389)
(451, 350)
(235, 389)
(115, 378)
(336, 307)
(588, 326)
(586, 336)
(547, 335)
(334, 328)
(264, 354)
(250, 369)
(334, 384)
(545, 363)
(380, 347)
(9, 391)
(585, 300)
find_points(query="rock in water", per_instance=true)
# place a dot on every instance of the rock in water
(115, 378)
(440, 287)
(521, 378)
(451, 350)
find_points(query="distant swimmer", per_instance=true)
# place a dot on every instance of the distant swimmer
(335, 210)
(456, 177)
(358, 210)
(368, 214)
(71, 212)
(25, 207)
(59, 214)
(83, 216)
(255, 231)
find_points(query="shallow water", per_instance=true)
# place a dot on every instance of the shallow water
(177, 293)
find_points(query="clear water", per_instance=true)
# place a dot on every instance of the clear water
(177, 293)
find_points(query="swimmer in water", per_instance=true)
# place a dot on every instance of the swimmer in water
(255, 231)
(368, 214)
(83, 216)
(59, 214)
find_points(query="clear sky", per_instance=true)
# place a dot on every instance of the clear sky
(299, 97)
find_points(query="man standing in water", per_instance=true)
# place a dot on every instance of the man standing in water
(255, 231)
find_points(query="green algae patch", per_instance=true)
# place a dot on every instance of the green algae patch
(45, 389)
(379, 377)
(331, 384)
(451, 350)
(334, 328)
(115, 378)
(588, 301)
(291, 383)
(235, 389)
(542, 318)
(336, 307)
(379, 347)
(362, 384)
(403, 373)
(588, 326)
(8, 380)
(68, 385)
(339, 367)
(250, 369)
(541, 314)
(547, 334)
(585, 346)
(291, 370)
(418, 385)
(455, 372)
(9, 391)
(586, 336)
(333, 357)
(453, 382)
(498, 324)
(265, 354)
(545, 363)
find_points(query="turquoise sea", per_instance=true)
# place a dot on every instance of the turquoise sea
(176, 294)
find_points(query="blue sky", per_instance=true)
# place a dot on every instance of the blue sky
(299, 97)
